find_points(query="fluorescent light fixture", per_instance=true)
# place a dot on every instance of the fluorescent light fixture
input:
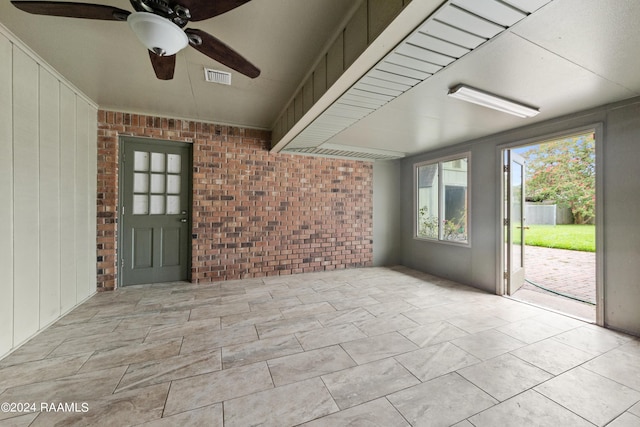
(489, 100)
(158, 34)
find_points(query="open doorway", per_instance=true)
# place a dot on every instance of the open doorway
(549, 221)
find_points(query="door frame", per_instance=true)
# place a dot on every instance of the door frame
(122, 139)
(598, 130)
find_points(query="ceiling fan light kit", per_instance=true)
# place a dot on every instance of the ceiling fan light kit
(158, 24)
(489, 100)
(159, 35)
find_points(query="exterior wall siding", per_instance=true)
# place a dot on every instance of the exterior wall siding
(254, 213)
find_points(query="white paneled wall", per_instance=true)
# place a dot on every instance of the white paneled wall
(48, 132)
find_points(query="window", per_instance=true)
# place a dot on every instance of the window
(442, 199)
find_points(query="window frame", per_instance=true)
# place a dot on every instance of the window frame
(441, 202)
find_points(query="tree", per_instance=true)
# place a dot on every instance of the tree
(564, 171)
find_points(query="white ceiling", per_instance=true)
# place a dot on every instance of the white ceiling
(105, 60)
(568, 56)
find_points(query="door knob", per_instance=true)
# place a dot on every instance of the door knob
(183, 219)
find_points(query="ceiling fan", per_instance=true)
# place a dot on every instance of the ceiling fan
(159, 26)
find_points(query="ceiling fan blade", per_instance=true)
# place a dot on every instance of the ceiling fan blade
(205, 9)
(163, 65)
(217, 50)
(73, 10)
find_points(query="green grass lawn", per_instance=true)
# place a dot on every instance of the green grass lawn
(573, 237)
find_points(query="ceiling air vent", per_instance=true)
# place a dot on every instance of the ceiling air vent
(216, 76)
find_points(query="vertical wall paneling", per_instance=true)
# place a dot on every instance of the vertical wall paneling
(92, 190)
(6, 196)
(26, 192)
(82, 198)
(298, 106)
(335, 60)
(381, 13)
(320, 79)
(307, 95)
(355, 35)
(49, 197)
(48, 172)
(68, 291)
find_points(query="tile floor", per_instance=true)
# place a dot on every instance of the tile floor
(384, 347)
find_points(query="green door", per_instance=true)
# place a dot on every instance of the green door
(155, 183)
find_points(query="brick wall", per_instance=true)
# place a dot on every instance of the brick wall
(254, 213)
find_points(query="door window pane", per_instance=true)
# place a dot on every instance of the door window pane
(157, 162)
(173, 184)
(140, 204)
(140, 183)
(140, 161)
(173, 163)
(157, 205)
(173, 205)
(157, 183)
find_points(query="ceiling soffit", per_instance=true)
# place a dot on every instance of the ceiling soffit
(452, 31)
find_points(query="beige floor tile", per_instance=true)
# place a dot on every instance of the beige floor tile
(504, 376)
(619, 366)
(552, 356)
(75, 388)
(625, 420)
(207, 341)
(41, 370)
(354, 302)
(209, 416)
(133, 353)
(19, 420)
(99, 342)
(362, 383)
(441, 402)
(434, 361)
(378, 347)
(350, 315)
(142, 374)
(487, 344)
(594, 341)
(433, 333)
(301, 366)
(385, 324)
(192, 327)
(329, 336)
(589, 395)
(115, 410)
(212, 311)
(282, 406)
(280, 351)
(307, 310)
(286, 327)
(632, 347)
(207, 389)
(529, 330)
(528, 409)
(251, 318)
(255, 351)
(476, 322)
(375, 413)
(154, 319)
(426, 316)
(463, 423)
(389, 308)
